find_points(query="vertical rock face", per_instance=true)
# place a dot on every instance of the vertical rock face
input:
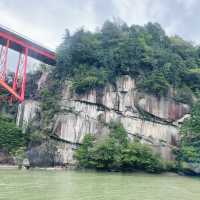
(72, 128)
(41, 82)
(89, 113)
(119, 98)
(26, 112)
(164, 108)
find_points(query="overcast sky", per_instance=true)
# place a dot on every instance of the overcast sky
(45, 20)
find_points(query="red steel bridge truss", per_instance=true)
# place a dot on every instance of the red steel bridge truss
(16, 85)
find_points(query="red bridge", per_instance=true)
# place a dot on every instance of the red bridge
(26, 48)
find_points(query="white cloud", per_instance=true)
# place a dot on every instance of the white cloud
(45, 21)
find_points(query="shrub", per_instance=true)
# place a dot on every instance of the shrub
(192, 78)
(11, 137)
(115, 152)
(155, 84)
(143, 52)
(184, 95)
(138, 156)
(190, 137)
(82, 154)
(87, 78)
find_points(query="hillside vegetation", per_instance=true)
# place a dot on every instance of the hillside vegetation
(116, 152)
(155, 60)
(90, 60)
(190, 137)
(11, 137)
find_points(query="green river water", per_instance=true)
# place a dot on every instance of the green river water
(74, 185)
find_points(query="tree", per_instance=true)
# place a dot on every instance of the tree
(190, 137)
(116, 152)
(11, 137)
(82, 154)
(138, 156)
(155, 84)
(143, 52)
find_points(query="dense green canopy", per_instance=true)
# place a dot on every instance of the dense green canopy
(91, 59)
(11, 137)
(116, 152)
(190, 137)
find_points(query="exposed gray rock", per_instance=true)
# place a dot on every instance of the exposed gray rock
(89, 113)
(26, 112)
(53, 153)
(179, 122)
(41, 82)
(120, 98)
(164, 108)
(191, 168)
(72, 128)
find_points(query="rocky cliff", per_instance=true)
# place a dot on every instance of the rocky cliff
(151, 119)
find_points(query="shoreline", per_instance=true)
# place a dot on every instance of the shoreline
(61, 168)
(6, 166)
(56, 168)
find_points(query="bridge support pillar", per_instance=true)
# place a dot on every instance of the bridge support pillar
(17, 90)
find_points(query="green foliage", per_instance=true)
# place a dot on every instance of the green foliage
(184, 95)
(106, 155)
(91, 60)
(192, 78)
(5, 106)
(155, 84)
(86, 78)
(31, 84)
(118, 133)
(190, 137)
(20, 155)
(82, 154)
(49, 97)
(139, 156)
(115, 152)
(11, 137)
(36, 137)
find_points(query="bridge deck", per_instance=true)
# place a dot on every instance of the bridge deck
(19, 42)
